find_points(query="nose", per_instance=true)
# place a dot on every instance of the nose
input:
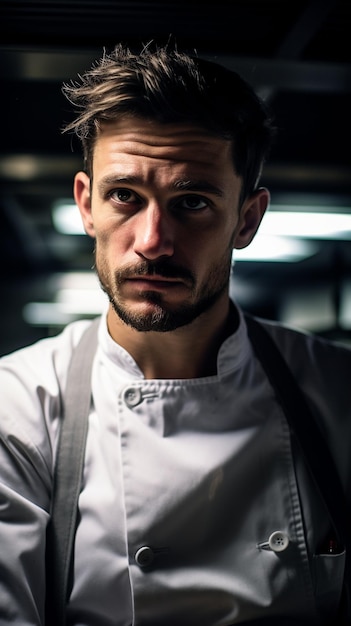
(154, 236)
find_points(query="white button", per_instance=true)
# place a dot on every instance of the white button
(144, 556)
(132, 397)
(278, 541)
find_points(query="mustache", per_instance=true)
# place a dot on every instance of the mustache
(154, 268)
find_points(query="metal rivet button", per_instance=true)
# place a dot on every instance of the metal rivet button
(144, 556)
(278, 541)
(133, 397)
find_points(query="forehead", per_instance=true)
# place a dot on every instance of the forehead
(144, 143)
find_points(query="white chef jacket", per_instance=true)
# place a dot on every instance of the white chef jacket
(192, 509)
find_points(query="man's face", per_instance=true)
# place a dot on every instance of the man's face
(165, 216)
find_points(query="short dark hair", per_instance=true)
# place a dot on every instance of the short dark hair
(169, 86)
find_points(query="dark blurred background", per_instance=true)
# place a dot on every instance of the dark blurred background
(296, 54)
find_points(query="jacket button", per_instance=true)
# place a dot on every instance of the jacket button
(278, 541)
(132, 397)
(144, 556)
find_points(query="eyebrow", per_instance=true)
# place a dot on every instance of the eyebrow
(109, 181)
(197, 185)
(179, 185)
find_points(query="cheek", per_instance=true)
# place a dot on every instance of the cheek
(216, 255)
(109, 239)
(217, 244)
(107, 252)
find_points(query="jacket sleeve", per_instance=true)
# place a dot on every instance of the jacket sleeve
(29, 418)
(22, 579)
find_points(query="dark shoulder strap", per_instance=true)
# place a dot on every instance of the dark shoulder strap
(306, 431)
(68, 476)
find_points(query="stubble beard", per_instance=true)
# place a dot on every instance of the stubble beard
(162, 316)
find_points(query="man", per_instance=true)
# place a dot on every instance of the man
(194, 508)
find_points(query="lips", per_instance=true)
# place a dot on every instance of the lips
(156, 281)
(155, 278)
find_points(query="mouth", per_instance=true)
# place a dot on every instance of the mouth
(155, 282)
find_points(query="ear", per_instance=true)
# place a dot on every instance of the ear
(82, 197)
(251, 214)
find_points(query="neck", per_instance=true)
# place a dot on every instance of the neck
(188, 352)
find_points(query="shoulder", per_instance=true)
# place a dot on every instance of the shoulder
(44, 362)
(32, 381)
(310, 356)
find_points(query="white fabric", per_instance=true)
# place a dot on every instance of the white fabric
(200, 471)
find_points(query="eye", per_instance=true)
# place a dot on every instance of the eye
(193, 203)
(123, 196)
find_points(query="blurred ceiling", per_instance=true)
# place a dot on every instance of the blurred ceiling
(297, 55)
